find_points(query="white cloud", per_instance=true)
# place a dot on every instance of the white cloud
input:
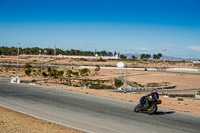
(143, 49)
(169, 47)
(134, 49)
(194, 48)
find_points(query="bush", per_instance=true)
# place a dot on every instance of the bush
(97, 69)
(55, 73)
(99, 86)
(118, 83)
(83, 59)
(84, 72)
(33, 81)
(28, 72)
(101, 60)
(44, 74)
(75, 73)
(60, 73)
(180, 99)
(49, 70)
(138, 84)
(153, 85)
(69, 72)
(27, 66)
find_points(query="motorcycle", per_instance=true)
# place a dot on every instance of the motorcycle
(150, 107)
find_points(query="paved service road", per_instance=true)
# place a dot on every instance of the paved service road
(92, 113)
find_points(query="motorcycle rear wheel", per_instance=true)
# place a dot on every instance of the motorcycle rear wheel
(151, 110)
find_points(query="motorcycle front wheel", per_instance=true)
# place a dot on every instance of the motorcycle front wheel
(137, 109)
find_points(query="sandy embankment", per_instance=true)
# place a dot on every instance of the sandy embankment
(13, 122)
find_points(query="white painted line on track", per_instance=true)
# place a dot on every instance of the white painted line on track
(47, 120)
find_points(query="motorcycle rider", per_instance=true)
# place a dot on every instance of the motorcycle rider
(146, 100)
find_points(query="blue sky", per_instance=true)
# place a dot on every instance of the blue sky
(171, 27)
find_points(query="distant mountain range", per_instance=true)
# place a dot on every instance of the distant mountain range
(171, 58)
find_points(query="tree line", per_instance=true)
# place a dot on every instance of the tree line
(147, 56)
(142, 56)
(50, 51)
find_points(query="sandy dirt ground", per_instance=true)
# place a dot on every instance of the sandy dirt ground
(182, 81)
(13, 122)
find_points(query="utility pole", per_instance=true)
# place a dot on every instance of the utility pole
(55, 51)
(18, 54)
(136, 55)
(40, 54)
(163, 74)
(126, 77)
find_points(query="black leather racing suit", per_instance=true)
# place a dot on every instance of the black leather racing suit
(144, 99)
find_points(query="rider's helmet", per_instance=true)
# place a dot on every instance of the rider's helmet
(154, 91)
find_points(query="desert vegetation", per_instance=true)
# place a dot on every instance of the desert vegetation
(70, 77)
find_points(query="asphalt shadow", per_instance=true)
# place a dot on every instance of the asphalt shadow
(164, 113)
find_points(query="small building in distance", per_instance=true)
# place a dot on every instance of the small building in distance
(89, 57)
(196, 61)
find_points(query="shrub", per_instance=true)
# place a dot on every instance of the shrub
(83, 59)
(101, 60)
(100, 86)
(69, 72)
(49, 70)
(97, 69)
(27, 66)
(84, 72)
(152, 84)
(33, 81)
(44, 74)
(28, 72)
(138, 84)
(60, 73)
(118, 82)
(54, 73)
(75, 73)
(180, 99)
(34, 71)
(57, 73)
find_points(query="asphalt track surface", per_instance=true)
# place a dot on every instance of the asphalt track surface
(92, 113)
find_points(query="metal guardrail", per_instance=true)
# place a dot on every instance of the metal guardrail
(181, 95)
(146, 88)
